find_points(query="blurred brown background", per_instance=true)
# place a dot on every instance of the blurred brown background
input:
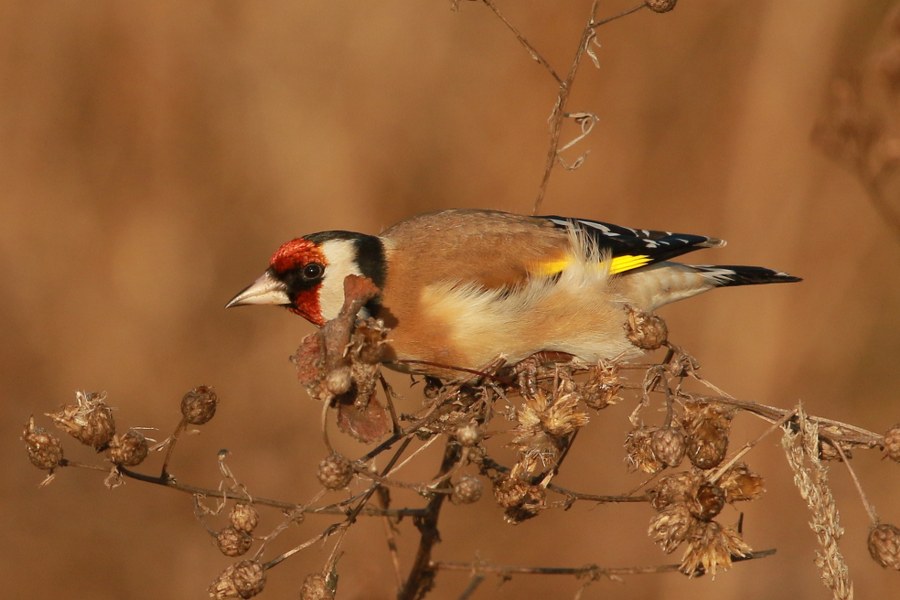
(154, 154)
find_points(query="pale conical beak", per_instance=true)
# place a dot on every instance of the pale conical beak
(265, 290)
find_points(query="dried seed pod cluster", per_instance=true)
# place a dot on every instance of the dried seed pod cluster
(44, 449)
(687, 505)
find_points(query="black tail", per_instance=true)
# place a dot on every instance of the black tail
(728, 275)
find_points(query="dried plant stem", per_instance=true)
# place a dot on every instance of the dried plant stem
(748, 446)
(524, 41)
(421, 574)
(592, 571)
(559, 109)
(870, 509)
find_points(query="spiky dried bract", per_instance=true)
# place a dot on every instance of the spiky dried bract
(645, 330)
(639, 455)
(243, 579)
(660, 6)
(670, 527)
(707, 426)
(130, 449)
(233, 542)
(740, 483)
(712, 546)
(244, 517)
(602, 387)
(543, 423)
(44, 449)
(316, 587)
(335, 471)
(892, 443)
(668, 445)
(89, 420)
(884, 545)
(467, 490)
(198, 406)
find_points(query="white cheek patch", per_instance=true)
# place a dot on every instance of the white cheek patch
(341, 256)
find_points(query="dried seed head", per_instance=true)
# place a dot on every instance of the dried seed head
(89, 420)
(708, 501)
(335, 471)
(602, 387)
(244, 579)
(244, 517)
(316, 587)
(467, 490)
(468, 435)
(674, 489)
(670, 527)
(521, 500)
(44, 449)
(233, 542)
(639, 455)
(884, 545)
(338, 381)
(660, 6)
(892, 443)
(740, 483)
(645, 330)
(130, 449)
(829, 451)
(668, 445)
(198, 406)
(711, 546)
(707, 445)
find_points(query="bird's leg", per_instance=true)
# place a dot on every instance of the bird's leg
(526, 372)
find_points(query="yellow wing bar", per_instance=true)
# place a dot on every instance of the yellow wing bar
(619, 264)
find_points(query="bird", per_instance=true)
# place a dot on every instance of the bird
(460, 288)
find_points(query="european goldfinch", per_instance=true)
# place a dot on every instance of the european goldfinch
(460, 288)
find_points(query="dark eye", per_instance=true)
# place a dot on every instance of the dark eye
(313, 271)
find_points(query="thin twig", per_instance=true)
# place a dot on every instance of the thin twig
(524, 41)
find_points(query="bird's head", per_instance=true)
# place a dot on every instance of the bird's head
(306, 275)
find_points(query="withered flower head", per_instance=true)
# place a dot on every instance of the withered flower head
(639, 455)
(244, 579)
(711, 546)
(89, 420)
(198, 406)
(130, 449)
(884, 545)
(44, 449)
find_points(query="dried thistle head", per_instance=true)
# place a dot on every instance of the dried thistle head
(233, 542)
(639, 455)
(602, 387)
(128, 450)
(892, 443)
(711, 546)
(89, 420)
(317, 586)
(675, 489)
(243, 579)
(671, 526)
(198, 406)
(44, 449)
(668, 445)
(645, 330)
(707, 502)
(543, 423)
(740, 483)
(244, 517)
(884, 545)
(466, 490)
(335, 471)
(520, 499)
(707, 426)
